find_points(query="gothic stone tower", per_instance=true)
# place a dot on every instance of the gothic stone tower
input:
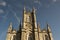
(11, 34)
(29, 29)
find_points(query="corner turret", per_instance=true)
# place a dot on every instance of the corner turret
(33, 10)
(24, 10)
(48, 28)
(38, 25)
(10, 27)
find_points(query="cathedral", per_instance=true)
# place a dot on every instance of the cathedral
(29, 29)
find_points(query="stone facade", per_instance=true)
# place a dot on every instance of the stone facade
(29, 29)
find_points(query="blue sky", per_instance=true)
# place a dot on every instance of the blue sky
(46, 11)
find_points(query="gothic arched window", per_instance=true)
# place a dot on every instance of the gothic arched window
(46, 37)
(30, 37)
(14, 37)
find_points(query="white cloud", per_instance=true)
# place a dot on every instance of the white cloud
(37, 1)
(5, 17)
(54, 0)
(17, 17)
(3, 3)
(1, 11)
(14, 14)
(46, 5)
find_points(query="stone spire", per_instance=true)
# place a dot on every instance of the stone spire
(48, 28)
(38, 25)
(10, 27)
(49, 32)
(24, 9)
(34, 17)
(33, 10)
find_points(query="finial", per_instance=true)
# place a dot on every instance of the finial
(10, 24)
(38, 25)
(10, 27)
(33, 9)
(24, 9)
(48, 28)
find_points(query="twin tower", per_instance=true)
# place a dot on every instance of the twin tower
(29, 29)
